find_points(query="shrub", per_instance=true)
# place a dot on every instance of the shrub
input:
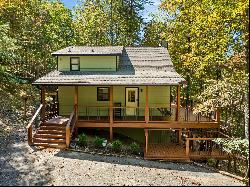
(135, 148)
(116, 145)
(98, 142)
(82, 139)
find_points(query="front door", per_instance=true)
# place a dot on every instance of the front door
(131, 101)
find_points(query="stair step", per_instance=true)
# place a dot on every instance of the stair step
(50, 131)
(49, 140)
(38, 135)
(54, 145)
(55, 124)
(52, 127)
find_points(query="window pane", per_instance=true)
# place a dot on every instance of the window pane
(74, 67)
(74, 60)
(131, 96)
(103, 94)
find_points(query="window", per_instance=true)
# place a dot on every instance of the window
(103, 94)
(74, 64)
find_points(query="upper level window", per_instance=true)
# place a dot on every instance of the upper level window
(74, 64)
(103, 94)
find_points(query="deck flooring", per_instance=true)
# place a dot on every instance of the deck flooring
(166, 151)
(178, 152)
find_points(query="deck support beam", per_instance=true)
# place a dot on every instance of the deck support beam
(146, 107)
(146, 140)
(43, 103)
(111, 121)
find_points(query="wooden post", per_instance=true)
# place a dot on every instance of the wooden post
(111, 113)
(30, 139)
(67, 136)
(43, 103)
(187, 147)
(146, 107)
(218, 115)
(178, 103)
(146, 142)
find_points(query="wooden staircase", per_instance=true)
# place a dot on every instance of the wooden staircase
(51, 134)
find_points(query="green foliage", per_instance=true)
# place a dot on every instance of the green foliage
(211, 162)
(98, 142)
(100, 22)
(135, 148)
(116, 145)
(82, 139)
(235, 146)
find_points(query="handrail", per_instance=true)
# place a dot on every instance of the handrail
(34, 117)
(70, 119)
(29, 126)
(69, 130)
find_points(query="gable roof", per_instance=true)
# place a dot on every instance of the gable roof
(89, 50)
(138, 66)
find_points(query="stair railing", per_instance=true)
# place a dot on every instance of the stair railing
(70, 127)
(31, 122)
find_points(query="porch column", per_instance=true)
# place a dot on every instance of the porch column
(43, 103)
(76, 109)
(178, 103)
(111, 112)
(146, 107)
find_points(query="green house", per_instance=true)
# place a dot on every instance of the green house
(134, 91)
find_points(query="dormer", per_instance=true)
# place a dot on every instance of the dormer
(87, 58)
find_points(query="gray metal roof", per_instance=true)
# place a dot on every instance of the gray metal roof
(138, 66)
(89, 50)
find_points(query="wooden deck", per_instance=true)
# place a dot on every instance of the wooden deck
(150, 125)
(166, 152)
(178, 152)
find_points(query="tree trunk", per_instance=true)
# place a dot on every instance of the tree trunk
(246, 113)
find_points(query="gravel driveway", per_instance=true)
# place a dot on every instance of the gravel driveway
(24, 165)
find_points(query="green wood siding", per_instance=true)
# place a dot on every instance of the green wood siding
(87, 96)
(90, 63)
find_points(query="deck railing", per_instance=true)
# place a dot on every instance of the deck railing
(128, 114)
(201, 145)
(31, 124)
(156, 114)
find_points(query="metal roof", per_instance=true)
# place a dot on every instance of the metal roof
(138, 66)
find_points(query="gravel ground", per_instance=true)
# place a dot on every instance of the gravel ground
(24, 165)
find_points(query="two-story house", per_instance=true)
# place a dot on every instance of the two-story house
(118, 89)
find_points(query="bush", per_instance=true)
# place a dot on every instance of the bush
(82, 139)
(116, 145)
(135, 148)
(98, 142)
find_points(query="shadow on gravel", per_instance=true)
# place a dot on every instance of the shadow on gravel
(20, 167)
(132, 161)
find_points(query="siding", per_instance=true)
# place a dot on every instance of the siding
(90, 63)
